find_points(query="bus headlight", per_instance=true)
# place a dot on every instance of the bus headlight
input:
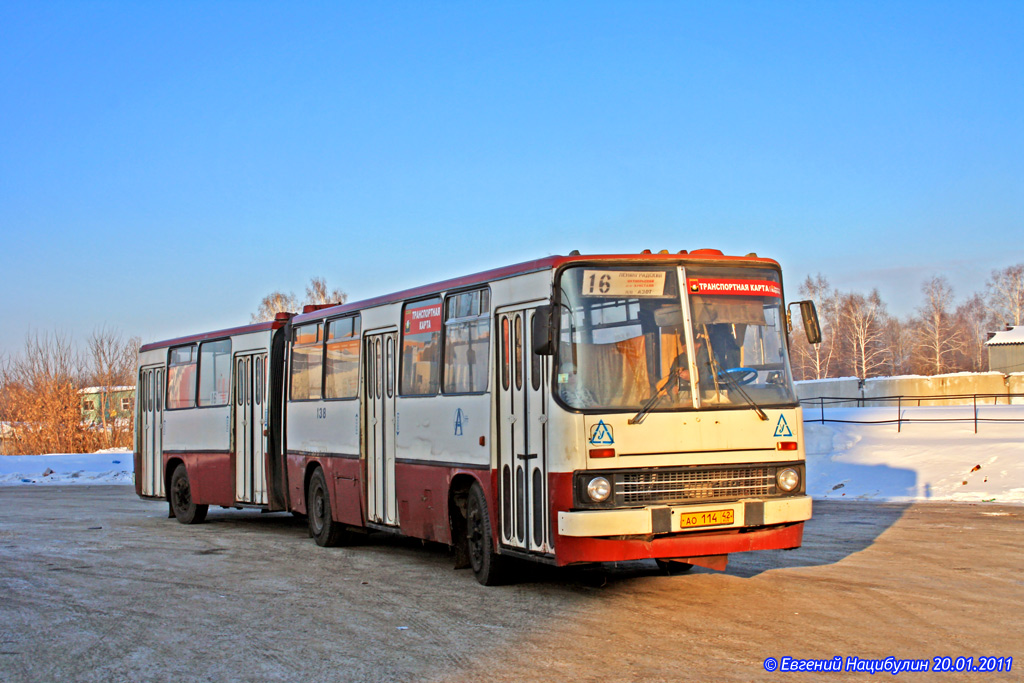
(788, 479)
(599, 489)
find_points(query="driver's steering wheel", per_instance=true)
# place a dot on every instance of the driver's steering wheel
(738, 375)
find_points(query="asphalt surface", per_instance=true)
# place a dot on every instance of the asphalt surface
(97, 585)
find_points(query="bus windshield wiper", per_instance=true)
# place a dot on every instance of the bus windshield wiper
(746, 397)
(734, 384)
(730, 379)
(649, 405)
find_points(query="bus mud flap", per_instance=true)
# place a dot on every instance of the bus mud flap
(716, 562)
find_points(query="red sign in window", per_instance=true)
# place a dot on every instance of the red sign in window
(709, 287)
(422, 320)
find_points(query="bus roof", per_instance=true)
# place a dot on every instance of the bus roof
(547, 263)
(217, 334)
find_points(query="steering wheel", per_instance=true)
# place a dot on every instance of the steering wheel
(738, 375)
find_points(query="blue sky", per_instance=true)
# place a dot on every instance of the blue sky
(165, 165)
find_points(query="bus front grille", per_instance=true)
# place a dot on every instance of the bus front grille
(689, 485)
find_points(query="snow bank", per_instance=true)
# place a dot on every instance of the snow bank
(922, 461)
(111, 466)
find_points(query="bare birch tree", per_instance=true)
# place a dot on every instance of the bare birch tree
(936, 338)
(317, 294)
(973, 320)
(1005, 295)
(814, 361)
(111, 366)
(274, 303)
(898, 346)
(863, 326)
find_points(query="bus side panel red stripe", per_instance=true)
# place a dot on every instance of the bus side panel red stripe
(346, 496)
(422, 494)
(210, 476)
(296, 466)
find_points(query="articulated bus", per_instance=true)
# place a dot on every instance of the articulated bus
(573, 409)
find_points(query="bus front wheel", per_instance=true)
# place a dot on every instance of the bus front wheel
(185, 509)
(488, 566)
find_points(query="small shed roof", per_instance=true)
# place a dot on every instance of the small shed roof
(1014, 335)
(100, 390)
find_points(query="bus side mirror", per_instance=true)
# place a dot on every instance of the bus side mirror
(541, 333)
(811, 327)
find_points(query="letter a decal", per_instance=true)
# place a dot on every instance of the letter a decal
(782, 429)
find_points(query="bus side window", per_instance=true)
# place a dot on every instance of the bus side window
(341, 374)
(421, 352)
(214, 372)
(181, 378)
(467, 342)
(307, 362)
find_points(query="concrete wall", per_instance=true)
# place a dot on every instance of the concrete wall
(916, 385)
(839, 387)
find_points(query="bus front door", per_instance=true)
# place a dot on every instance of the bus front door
(150, 406)
(379, 394)
(522, 448)
(249, 425)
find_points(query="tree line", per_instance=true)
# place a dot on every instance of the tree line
(41, 386)
(861, 339)
(40, 393)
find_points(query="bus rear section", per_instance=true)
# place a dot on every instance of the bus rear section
(208, 421)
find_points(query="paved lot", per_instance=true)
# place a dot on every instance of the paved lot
(97, 585)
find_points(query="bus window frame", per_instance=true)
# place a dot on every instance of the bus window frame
(194, 346)
(321, 335)
(357, 337)
(199, 370)
(400, 365)
(489, 317)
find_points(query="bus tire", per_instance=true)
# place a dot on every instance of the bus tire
(487, 565)
(322, 527)
(184, 508)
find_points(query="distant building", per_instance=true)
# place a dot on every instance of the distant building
(116, 402)
(1006, 350)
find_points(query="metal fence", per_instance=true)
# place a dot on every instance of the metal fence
(901, 402)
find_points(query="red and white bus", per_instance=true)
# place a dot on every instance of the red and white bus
(572, 409)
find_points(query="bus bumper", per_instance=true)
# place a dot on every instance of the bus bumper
(658, 532)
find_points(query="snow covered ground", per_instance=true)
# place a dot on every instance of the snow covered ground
(922, 461)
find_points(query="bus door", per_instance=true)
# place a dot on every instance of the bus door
(379, 393)
(522, 446)
(249, 424)
(151, 414)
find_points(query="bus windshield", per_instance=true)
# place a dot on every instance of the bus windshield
(624, 342)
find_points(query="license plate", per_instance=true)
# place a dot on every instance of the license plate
(708, 518)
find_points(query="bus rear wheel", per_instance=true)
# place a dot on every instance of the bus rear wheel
(322, 527)
(488, 567)
(184, 508)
